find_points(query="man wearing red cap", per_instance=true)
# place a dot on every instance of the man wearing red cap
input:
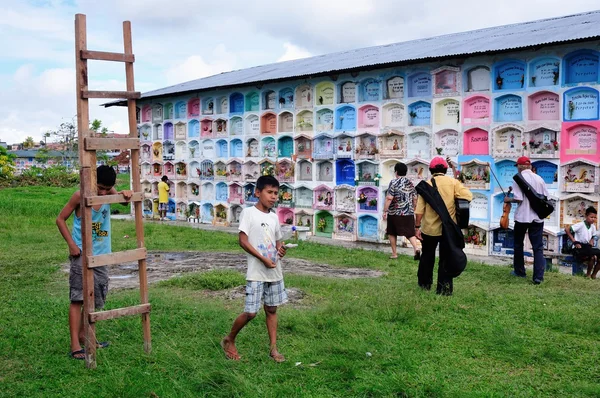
(428, 226)
(527, 221)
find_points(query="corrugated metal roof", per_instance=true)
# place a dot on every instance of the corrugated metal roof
(499, 38)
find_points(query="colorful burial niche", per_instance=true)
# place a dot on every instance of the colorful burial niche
(323, 224)
(268, 148)
(476, 239)
(146, 153)
(303, 146)
(505, 170)
(237, 126)
(148, 213)
(168, 150)
(305, 170)
(446, 81)
(582, 139)
(193, 211)
(146, 170)
(181, 191)
(508, 141)
(509, 108)
(193, 191)
(168, 111)
(497, 210)
(208, 149)
(194, 149)
(579, 175)
(418, 170)
(509, 75)
(146, 114)
(304, 96)
(252, 148)
(345, 227)
(181, 150)
(580, 103)
(236, 148)
(370, 90)
(344, 146)
(544, 105)
(394, 88)
(145, 133)
(419, 85)
(581, 66)
(447, 112)
(220, 127)
(207, 170)
(235, 212)
(368, 172)
(193, 108)
(221, 148)
(480, 207)
(268, 123)
(267, 167)
(548, 171)
(419, 145)
(286, 196)
(324, 93)
(285, 216)
(550, 242)
(155, 191)
(171, 209)
(304, 121)
(323, 147)
(305, 218)
(503, 242)
(157, 113)
(393, 115)
(303, 197)
(419, 113)
(252, 102)
(366, 146)
(286, 122)
(236, 103)
(249, 196)
(323, 198)
(476, 110)
(180, 110)
(207, 213)
(157, 132)
(368, 228)
(147, 189)
(181, 171)
(542, 143)
(388, 173)
(194, 169)
(367, 199)
(475, 174)
(206, 128)
(325, 171)
(220, 171)
(269, 100)
(325, 120)
(573, 208)
(345, 118)
(221, 212)
(544, 72)
(193, 129)
(285, 147)
(168, 132)
(207, 192)
(476, 142)
(180, 131)
(286, 98)
(285, 171)
(368, 118)
(347, 93)
(252, 125)
(344, 172)
(447, 143)
(157, 170)
(221, 192)
(236, 194)
(478, 79)
(208, 106)
(345, 198)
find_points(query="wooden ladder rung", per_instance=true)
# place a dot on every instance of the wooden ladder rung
(107, 56)
(117, 257)
(112, 199)
(111, 94)
(111, 143)
(120, 312)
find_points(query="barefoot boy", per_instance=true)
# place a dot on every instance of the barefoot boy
(106, 178)
(582, 235)
(260, 236)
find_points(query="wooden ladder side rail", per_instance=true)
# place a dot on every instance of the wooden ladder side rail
(136, 184)
(87, 161)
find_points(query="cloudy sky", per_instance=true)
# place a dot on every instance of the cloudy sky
(180, 40)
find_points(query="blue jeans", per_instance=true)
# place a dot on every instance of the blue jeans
(534, 230)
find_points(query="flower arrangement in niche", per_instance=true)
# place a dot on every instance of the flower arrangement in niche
(533, 78)
(555, 145)
(522, 80)
(499, 81)
(571, 107)
(362, 198)
(555, 75)
(439, 150)
(412, 114)
(377, 178)
(524, 144)
(373, 202)
(322, 224)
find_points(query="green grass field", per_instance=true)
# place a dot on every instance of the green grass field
(496, 337)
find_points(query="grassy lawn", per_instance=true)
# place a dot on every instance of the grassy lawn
(498, 336)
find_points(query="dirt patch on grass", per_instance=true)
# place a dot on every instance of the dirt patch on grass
(165, 265)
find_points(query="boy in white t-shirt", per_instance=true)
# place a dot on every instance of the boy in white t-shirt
(582, 235)
(260, 236)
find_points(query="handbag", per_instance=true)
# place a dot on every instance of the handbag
(540, 204)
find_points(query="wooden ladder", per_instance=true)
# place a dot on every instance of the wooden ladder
(89, 143)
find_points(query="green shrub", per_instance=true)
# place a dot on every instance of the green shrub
(54, 176)
(211, 280)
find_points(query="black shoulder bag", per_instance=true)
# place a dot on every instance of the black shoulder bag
(540, 204)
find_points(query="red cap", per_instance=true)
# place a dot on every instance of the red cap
(438, 162)
(524, 160)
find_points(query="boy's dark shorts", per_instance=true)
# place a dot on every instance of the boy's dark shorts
(401, 226)
(76, 283)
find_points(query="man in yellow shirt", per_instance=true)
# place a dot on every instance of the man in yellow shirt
(428, 226)
(163, 198)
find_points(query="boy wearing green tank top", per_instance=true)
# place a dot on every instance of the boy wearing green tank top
(106, 178)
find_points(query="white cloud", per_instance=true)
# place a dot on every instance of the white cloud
(293, 52)
(196, 66)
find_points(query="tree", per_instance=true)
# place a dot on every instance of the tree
(28, 143)
(42, 156)
(47, 135)
(7, 164)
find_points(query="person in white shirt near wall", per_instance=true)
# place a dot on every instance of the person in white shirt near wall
(527, 221)
(582, 235)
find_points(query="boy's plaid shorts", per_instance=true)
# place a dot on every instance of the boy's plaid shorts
(272, 293)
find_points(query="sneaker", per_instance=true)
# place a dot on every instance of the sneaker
(513, 273)
(417, 255)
